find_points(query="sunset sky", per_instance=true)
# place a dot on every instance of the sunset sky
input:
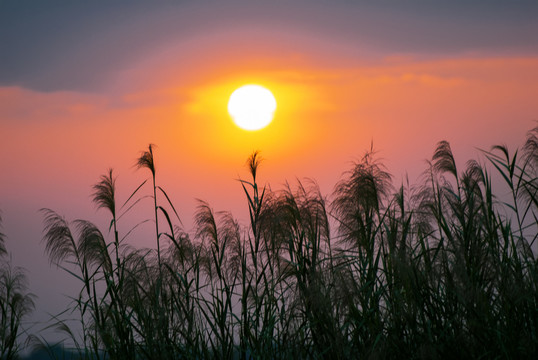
(86, 85)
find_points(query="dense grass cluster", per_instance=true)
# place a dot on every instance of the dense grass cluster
(15, 303)
(444, 269)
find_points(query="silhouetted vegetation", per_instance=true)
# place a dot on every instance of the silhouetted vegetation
(15, 303)
(51, 352)
(442, 269)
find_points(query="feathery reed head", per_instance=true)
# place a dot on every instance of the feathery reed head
(443, 160)
(92, 246)
(59, 241)
(146, 160)
(530, 149)
(206, 225)
(253, 162)
(3, 250)
(364, 187)
(104, 192)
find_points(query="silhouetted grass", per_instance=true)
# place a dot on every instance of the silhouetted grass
(441, 269)
(15, 303)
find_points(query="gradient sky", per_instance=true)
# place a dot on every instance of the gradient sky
(87, 85)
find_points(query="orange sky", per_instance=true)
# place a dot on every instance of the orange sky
(328, 114)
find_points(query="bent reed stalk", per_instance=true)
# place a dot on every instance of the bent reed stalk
(444, 268)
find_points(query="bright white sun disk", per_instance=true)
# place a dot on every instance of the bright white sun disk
(252, 107)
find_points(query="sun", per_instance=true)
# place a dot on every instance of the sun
(252, 107)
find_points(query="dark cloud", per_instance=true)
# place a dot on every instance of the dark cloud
(78, 45)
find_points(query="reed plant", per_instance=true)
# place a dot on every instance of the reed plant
(444, 268)
(16, 303)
